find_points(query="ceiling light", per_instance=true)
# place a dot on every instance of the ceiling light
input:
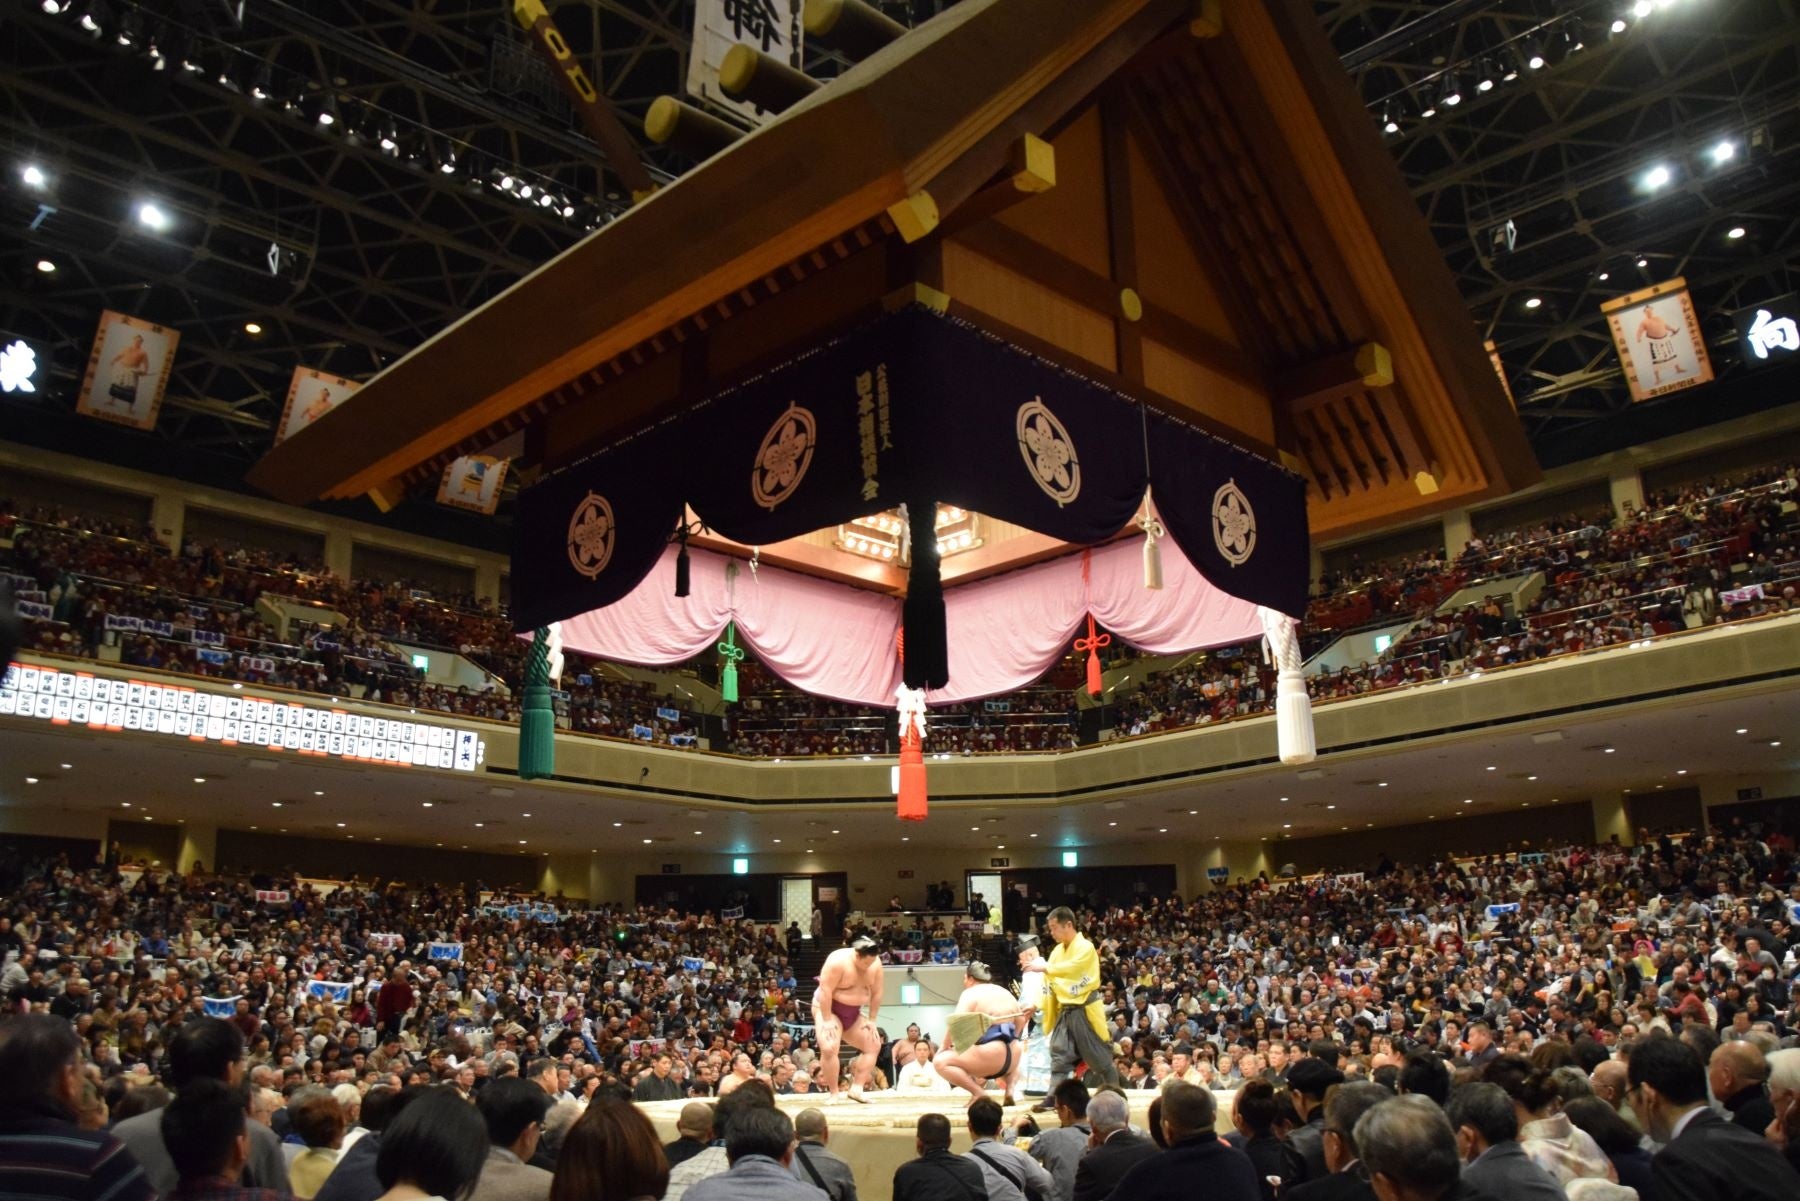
(34, 176)
(1743, 730)
(274, 804)
(1534, 56)
(152, 217)
(1468, 800)
(1452, 90)
(1388, 123)
(199, 779)
(1734, 233)
(1643, 262)
(522, 841)
(1112, 823)
(1428, 110)
(1531, 777)
(1681, 772)
(778, 840)
(89, 22)
(1607, 750)
(524, 815)
(1193, 812)
(66, 766)
(251, 327)
(1642, 8)
(1619, 25)
(1775, 742)
(1605, 275)
(1328, 807)
(425, 804)
(1492, 767)
(699, 831)
(46, 266)
(54, 7)
(31, 779)
(1287, 825)
(1659, 176)
(340, 825)
(1723, 151)
(482, 825)
(1532, 302)
(318, 792)
(903, 840)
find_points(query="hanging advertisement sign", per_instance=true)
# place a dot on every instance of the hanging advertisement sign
(1657, 335)
(128, 371)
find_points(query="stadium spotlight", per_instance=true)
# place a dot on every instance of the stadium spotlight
(1534, 56)
(152, 216)
(261, 81)
(1735, 232)
(131, 27)
(34, 176)
(1388, 123)
(1658, 177)
(1509, 66)
(1484, 75)
(1533, 302)
(1452, 94)
(1723, 151)
(89, 20)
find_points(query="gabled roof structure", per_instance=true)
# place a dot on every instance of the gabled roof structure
(1181, 198)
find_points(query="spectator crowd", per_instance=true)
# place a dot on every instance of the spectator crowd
(1561, 1022)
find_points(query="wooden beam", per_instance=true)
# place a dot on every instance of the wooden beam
(1018, 253)
(1121, 240)
(1052, 103)
(1322, 380)
(1030, 171)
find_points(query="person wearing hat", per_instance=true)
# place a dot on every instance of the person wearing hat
(849, 980)
(1074, 1013)
(992, 1055)
(1308, 1080)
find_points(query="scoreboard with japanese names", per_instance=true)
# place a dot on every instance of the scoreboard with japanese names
(99, 703)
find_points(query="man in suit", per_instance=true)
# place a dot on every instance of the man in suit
(759, 1142)
(1409, 1152)
(514, 1111)
(1195, 1154)
(1347, 1181)
(203, 1049)
(814, 1162)
(1704, 1157)
(1487, 1141)
(1739, 1076)
(1113, 1150)
(938, 1175)
(1308, 1081)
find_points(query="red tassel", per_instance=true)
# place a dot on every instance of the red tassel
(1092, 644)
(913, 798)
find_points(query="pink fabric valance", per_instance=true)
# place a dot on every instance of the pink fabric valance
(837, 641)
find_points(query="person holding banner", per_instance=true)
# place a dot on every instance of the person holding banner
(1074, 1014)
(394, 1002)
(849, 980)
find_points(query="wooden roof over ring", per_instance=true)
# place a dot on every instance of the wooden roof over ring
(1181, 196)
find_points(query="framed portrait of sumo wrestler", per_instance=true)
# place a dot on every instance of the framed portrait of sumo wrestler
(127, 371)
(473, 482)
(311, 395)
(1658, 339)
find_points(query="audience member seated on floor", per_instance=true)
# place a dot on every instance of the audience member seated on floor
(43, 1153)
(611, 1152)
(938, 1175)
(1703, 1156)
(514, 1111)
(204, 1131)
(1195, 1153)
(436, 1147)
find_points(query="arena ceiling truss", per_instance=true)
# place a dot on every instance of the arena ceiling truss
(351, 241)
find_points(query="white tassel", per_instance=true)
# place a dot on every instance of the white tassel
(1153, 530)
(555, 647)
(1295, 740)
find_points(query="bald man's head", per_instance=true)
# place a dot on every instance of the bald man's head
(1735, 1067)
(696, 1120)
(1609, 1081)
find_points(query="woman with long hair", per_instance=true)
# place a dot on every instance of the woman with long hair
(1621, 1144)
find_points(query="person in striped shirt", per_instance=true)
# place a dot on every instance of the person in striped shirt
(43, 1153)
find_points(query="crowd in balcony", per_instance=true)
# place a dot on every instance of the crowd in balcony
(1718, 550)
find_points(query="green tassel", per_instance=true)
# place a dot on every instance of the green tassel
(731, 653)
(537, 718)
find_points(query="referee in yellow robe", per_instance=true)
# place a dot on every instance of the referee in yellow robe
(1073, 1012)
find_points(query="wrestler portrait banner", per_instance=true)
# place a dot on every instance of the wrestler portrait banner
(473, 482)
(128, 370)
(311, 394)
(1658, 337)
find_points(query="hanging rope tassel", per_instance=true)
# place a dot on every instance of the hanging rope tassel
(912, 797)
(1094, 642)
(732, 653)
(1294, 737)
(537, 715)
(1153, 530)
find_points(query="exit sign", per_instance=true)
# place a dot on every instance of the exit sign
(1000, 862)
(1749, 794)
(671, 869)
(906, 873)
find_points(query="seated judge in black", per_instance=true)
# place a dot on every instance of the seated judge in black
(938, 1175)
(1195, 1154)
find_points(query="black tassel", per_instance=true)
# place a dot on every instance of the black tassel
(927, 643)
(682, 580)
